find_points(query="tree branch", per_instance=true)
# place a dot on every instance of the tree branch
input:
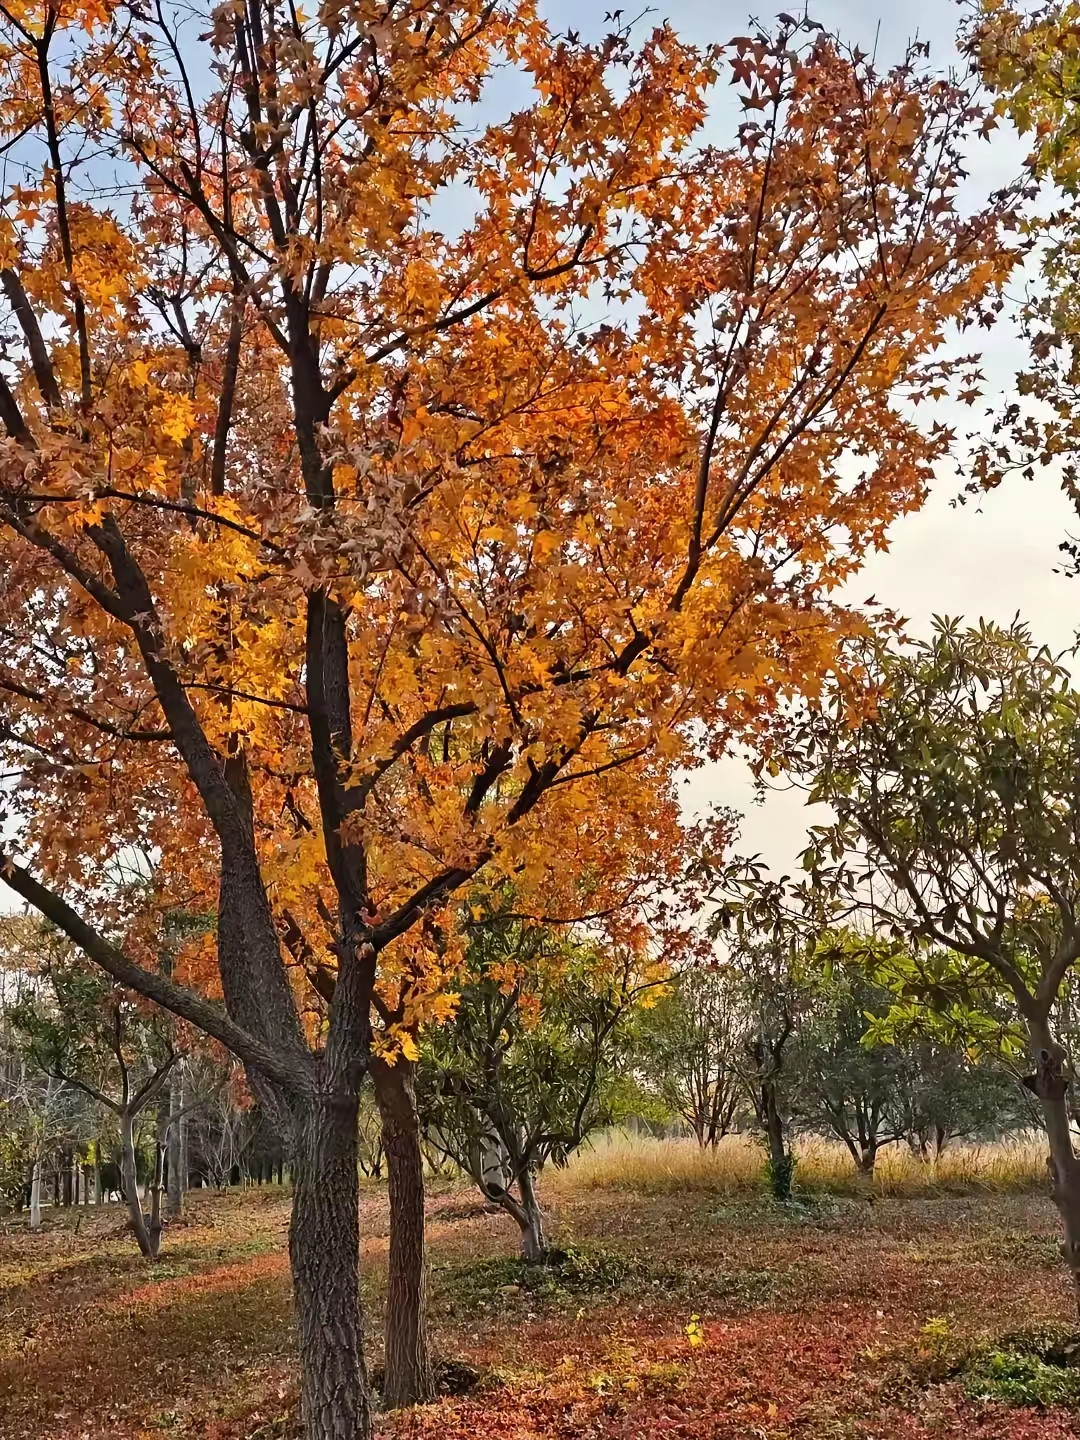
(189, 1005)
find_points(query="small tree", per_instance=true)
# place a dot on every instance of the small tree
(773, 994)
(532, 1063)
(691, 1046)
(957, 827)
(766, 953)
(92, 1036)
(848, 1087)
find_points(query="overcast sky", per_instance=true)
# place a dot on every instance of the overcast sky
(993, 561)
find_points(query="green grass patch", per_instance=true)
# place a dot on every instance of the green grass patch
(1024, 1380)
(568, 1275)
(1034, 1368)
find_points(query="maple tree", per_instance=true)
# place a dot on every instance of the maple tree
(356, 547)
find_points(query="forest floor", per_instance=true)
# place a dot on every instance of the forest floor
(670, 1316)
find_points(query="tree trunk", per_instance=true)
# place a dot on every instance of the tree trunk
(177, 1178)
(408, 1362)
(157, 1186)
(781, 1160)
(867, 1160)
(35, 1197)
(324, 1253)
(533, 1241)
(129, 1185)
(1050, 1085)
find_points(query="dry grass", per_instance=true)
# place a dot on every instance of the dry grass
(618, 1161)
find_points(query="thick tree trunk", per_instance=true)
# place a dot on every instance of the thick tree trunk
(324, 1252)
(35, 1197)
(867, 1160)
(175, 1145)
(533, 1241)
(1050, 1085)
(129, 1185)
(408, 1363)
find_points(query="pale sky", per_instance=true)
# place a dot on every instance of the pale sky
(994, 560)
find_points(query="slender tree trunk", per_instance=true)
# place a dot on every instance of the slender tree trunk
(129, 1185)
(1050, 1085)
(177, 1179)
(408, 1362)
(157, 1187)
(781, 1161)
(324, 1252)
(35, 1197)
(533, 1241)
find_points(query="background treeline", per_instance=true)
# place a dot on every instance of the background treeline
(553, 1040)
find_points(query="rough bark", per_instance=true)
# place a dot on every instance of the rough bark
(781, 1160)
(324, 1252)
(408, 1376)
(154, 1221)
(867, 1160)
(1049, 1083)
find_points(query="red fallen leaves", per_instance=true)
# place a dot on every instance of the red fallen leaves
(769, 1377)
(206, 1355)
(158, 1294)
(751, 1376)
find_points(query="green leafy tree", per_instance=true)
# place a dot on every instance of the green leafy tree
(1029, 56)
(773, 990)
(957, 828)
(850, 1089)
(766, 950)
(97, 1039)
(874, 1072)
(692, 1045)
(535, 1060)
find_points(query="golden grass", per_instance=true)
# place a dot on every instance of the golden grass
(619, 1161)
